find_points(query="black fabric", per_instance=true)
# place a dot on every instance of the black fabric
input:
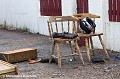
(46, 60)
(117, 57)
(70, 35)
(64, 35)
(87, 25)
(97, 60)
(57, 35)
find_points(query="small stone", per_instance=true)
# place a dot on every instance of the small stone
(70, 59)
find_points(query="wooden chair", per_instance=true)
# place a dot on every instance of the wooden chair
(88, 37)
(61, 24)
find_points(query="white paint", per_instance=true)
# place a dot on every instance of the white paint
(19, 13)
(42, 26)
(111, 30)
(95, 7)
(26, 13)
(69, 7)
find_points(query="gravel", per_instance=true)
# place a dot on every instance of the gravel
(11, 40)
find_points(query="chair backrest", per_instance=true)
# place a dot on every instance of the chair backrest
(62, 24)
(84, 15)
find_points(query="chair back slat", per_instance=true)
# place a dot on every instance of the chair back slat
(74, 27)
(56, 27)
(62, 24)
(68, 26)
(49, 28)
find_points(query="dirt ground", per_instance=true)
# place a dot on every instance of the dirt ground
(11, 40)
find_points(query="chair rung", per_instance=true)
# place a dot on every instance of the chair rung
(97, 49)
(64, 55)
(55, 57)
(83, 51)
(70, 55)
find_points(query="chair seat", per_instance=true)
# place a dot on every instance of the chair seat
(62, 39)
(88, 35)
(88, 41)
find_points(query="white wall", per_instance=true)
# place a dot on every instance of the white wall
(26, 13)
(2, 9)
(42, 26)
(111, 30)
(19, 13)
(112, 35)
(69, 7)
(95, 7)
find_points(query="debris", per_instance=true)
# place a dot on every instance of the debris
(70, 60)
(110, 67)
(33, 61)
(97, 60)
(42, 60)
(117, 57)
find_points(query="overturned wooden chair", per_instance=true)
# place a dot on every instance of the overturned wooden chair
(88, 37)
(61, 24)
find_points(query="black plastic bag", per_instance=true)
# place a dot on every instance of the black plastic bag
(97, 60)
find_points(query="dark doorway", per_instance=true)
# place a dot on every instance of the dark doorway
(82, 7)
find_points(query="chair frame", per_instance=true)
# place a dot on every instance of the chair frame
(89, 36)
(57, 41)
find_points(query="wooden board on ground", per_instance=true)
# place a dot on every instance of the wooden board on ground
(18, 55)
(7, 69)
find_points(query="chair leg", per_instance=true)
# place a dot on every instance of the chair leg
(91, 42)
(53, 47)
(58, 54)
(79, 52)
(71, 49)
(104, 48)
(87, 47)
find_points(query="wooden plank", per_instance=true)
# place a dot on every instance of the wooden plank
(88, 35)
(60, 8)
(7, 69)
(114, 10)
(110, 10)
(83, 15)
(41, 9)
(80, 6)
(18, 55)
(118, 10)
(50, 7)
(85, 6)
(62, 18)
